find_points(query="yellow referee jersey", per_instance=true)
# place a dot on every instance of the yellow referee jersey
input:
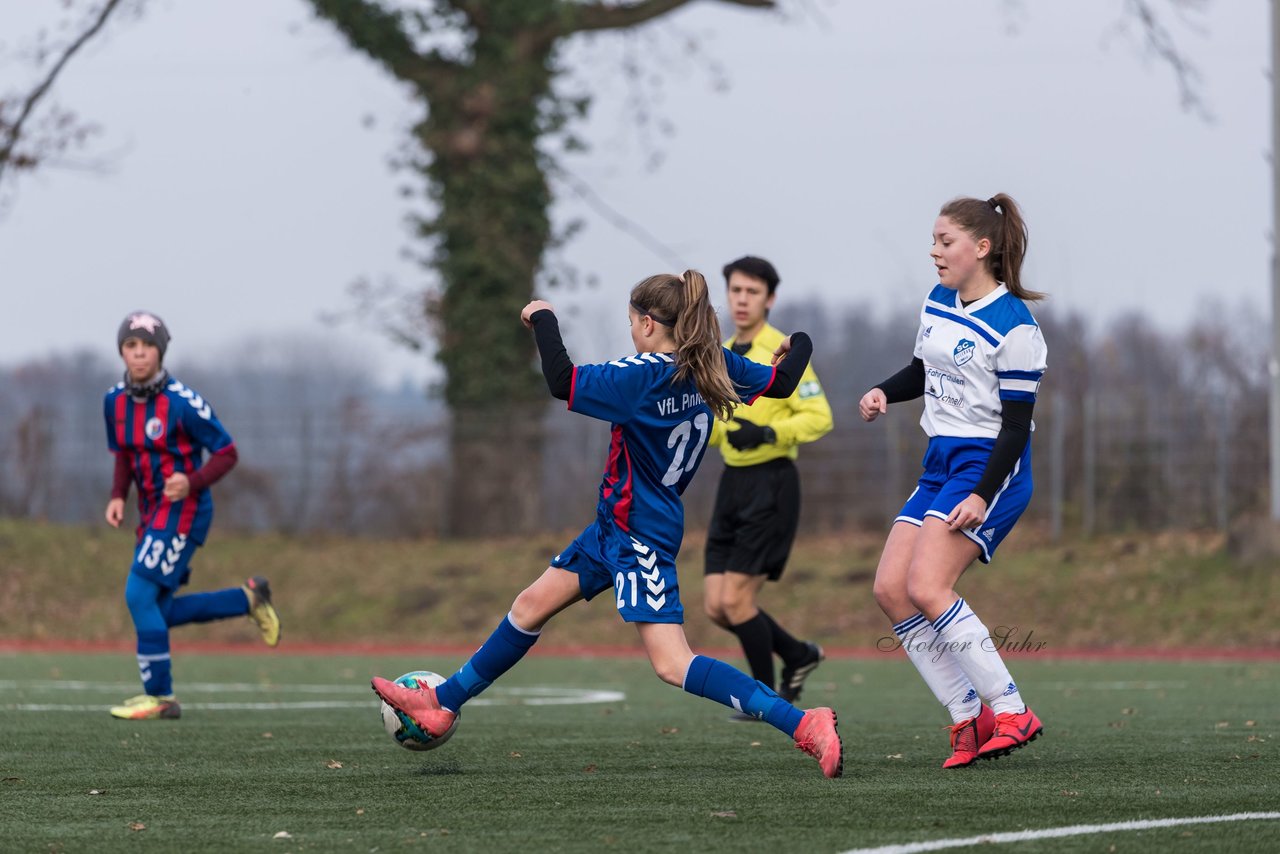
(803, 417)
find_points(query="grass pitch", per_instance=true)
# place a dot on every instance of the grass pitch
(596, 754)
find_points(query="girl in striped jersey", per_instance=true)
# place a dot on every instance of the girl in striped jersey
(159, 431)
(979, 357)
(660, 403)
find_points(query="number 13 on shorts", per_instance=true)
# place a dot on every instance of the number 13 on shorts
(163, 557)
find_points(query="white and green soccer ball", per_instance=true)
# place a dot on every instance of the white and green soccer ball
(402, 728)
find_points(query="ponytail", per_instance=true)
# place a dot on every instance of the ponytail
(696, 330)
(998, 219)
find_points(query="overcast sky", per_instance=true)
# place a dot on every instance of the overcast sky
(249, 180)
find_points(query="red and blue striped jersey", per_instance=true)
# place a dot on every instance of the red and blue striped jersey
(660, 431)
(165, 434)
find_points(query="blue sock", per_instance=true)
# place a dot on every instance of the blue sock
(154, 664)
(203, 607)
(717, 681)
(143, 598)
(500, 652)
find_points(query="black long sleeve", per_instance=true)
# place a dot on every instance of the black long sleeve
(1011, 441)
(906, 384)
(786, 377)
(557, 367)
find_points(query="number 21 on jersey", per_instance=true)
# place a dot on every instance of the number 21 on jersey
(679, 439)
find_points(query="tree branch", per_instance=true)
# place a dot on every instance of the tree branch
(14, 131)
(380, 34)
(1160, 41)
(597, 16)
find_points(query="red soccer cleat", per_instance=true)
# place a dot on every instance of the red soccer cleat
(420, 704)
(817, 736)
(1013, 730)
(967, 735)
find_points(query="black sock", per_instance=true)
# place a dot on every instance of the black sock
(788, 648)
(757, 645)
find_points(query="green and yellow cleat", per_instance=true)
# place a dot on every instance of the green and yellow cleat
(261, 611)
(146, 707)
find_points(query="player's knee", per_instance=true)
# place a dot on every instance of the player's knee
(927, 597)
(739, 610)
(529, 611)
(139, 594)
(670, 670)
(891, 597)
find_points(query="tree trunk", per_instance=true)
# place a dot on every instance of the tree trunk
(495, 483)
(491, 230)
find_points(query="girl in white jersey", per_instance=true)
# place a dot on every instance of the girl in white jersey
(978, 360)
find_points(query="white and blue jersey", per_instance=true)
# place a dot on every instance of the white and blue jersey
(975, 357)
(659, 437)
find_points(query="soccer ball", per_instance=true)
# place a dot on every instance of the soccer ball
(400, 727)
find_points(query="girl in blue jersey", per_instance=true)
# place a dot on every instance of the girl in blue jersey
(979, 357)
(660, 403)
(159, 431)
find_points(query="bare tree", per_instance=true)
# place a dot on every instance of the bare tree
(33, 133)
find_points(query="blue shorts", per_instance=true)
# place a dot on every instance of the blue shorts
(643, 577)
(164, 558)
(952, 468)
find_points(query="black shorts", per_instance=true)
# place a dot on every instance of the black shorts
(755, 518)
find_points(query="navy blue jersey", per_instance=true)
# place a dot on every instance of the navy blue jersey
(660, 431)
(165, 434)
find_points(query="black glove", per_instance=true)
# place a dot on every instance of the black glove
(749, 435)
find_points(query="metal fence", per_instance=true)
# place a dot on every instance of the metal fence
(1134, 431)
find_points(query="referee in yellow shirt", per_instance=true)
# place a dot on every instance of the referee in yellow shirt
(758, 501)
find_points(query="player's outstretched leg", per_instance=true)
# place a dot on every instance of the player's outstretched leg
(1012, 730)
(967, 735)
(261, 611)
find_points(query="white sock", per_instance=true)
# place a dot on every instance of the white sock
(971, 646)
(939, 668)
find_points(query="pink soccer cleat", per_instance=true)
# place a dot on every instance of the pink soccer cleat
(817, 736)
(1013, 730)
(420, 704)
(967, 735)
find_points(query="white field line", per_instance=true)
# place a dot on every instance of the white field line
(1060, 832)
(1137, 685)
(217, 707)
(187, 687)
(533, 696)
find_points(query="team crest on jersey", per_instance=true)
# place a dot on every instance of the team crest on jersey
(154, 428)
(964, 351)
